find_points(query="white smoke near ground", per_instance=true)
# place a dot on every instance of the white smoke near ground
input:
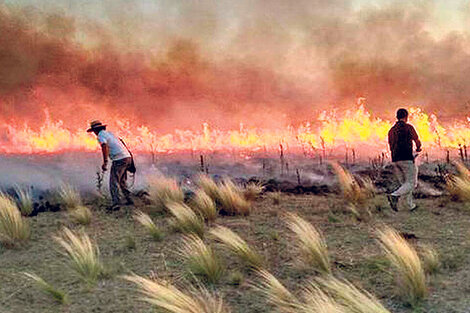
(49, 172)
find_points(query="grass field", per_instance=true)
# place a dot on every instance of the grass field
(126, 247)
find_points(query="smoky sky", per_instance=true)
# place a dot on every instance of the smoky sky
(177, 64)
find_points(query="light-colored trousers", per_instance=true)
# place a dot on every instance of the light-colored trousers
(407, 174)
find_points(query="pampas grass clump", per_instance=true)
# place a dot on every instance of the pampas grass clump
(25, 200)
(350, 188)
(275, 292)
(163, 190)
(459, 185)
(47, 288)
(463, 171)
(228, 197)
(201, 259)
(82, 253)
(167, 298)
(231, 199)
(185, 220)
(431, 260)
(81, 215)
(354, 194)
(351, 298)
(205, 205)
(238, 246)
(317, 301)
(459, 188)
(13, 227)
(275, 197)
(411, 278)
(368, 187)
(253, 190)
(146, 221)
(69, 196)
(311, 242)
(209, 186)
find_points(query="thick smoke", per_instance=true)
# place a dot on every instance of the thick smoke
(177, 64)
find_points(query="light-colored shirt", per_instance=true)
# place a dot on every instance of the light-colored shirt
(117, 151)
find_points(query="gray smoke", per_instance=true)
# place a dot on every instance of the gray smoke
(180, 63)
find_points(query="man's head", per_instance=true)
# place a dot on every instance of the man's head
(402, 115)
(96, 127)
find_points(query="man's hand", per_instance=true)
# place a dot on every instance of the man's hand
(104, 167)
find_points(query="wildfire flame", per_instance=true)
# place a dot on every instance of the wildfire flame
(330, 130)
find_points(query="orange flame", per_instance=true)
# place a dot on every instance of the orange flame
(330, 130)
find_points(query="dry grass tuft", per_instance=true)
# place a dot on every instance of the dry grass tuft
(25, 200)
(410, 273)
(459, 185)
(353, 193)
(228, 197)
(351, 298)
(81, 215)
(311, 243)
(238, 246)
(431, 260)
(459, 188)
(317, 301)
(163, 190)
(82, 253)
(236, 278)
(368, 187)
(209, 186)
(463, 171)
(201, 259)
(205, 205)
(14, 228)
(231, 199)
(69, 196)
(167, 298)
(185, 220)
(275, 197)
(47, 288)
(253, 190)
(146, 221)
(275, 292)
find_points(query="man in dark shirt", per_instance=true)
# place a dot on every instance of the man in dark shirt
(400, 139)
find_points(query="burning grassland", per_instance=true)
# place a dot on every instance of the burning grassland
(258, 174)
(231, 79)
(354, 133)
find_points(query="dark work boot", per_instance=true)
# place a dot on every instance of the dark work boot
(114, 207)
(129, 201)
(393, 200)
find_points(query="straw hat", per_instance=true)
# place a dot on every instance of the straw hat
(95, 125)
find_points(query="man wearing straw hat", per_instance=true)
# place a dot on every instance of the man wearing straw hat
(400, 139)
(115, 149)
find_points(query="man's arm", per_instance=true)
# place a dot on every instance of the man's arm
(414, 136)
(105, 151)
(391, 139)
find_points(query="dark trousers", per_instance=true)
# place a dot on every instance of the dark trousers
(118, 179)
